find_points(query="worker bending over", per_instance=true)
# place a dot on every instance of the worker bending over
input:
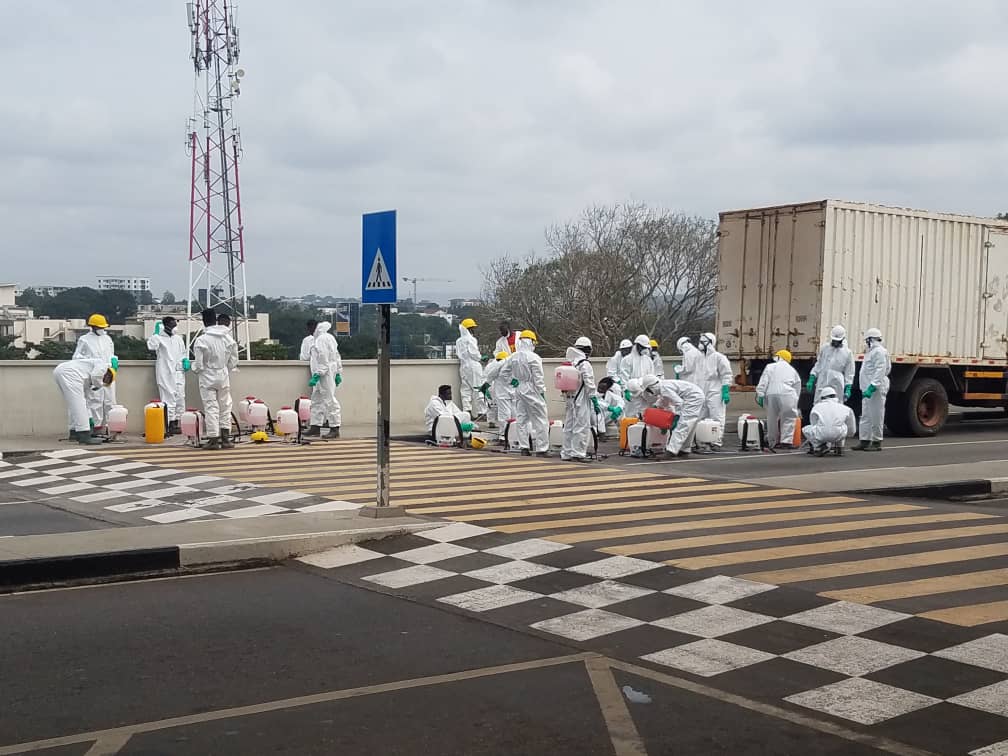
(77, 380)
(215, 355)
(831, 423)
(611, 403)
(683, 398)
(778, 391)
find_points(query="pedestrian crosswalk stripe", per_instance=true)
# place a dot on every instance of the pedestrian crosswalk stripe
(923, 587)
(878, 564)
(773, 553)
(970, 615)
(700, 522)
(652, 547)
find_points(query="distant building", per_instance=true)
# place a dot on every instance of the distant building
(46, 291)
(458, 304)
(134, 285)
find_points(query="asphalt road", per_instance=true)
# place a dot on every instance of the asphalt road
(162, 667)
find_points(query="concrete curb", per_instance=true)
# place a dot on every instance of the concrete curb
(942, 490)
(127, 563)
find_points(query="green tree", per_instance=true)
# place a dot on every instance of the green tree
(82, 301)
(146, 298)
(264, 350)
(129, 348)
(167, 298)
(53, 350)
(8, 351)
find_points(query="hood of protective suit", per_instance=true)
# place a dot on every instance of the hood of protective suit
(712, 339)
(684, 344)
(464, 332)
(525, 345)
(321, 328)
(217, 331)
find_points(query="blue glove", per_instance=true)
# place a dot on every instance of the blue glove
(186, 364)
(847, 391)
(338, 379)
(313, 381)
(595, 403)
(759, 400)
(466, 427)
(115, 362)
(724, 394)
(868, 392)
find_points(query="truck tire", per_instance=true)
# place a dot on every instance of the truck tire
(927, 407)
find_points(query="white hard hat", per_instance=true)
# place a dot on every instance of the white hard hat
(649, 382)
(634, 386)
(828, 393)
(710, 337)
(583, 341)
(682, 342)
(625, 344)
(643, 340)
(839, 333)
(873, 333)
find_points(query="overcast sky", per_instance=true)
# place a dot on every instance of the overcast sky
(482, 122)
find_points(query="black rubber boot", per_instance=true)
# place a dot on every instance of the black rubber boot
(860, 446)
(212, 444)
(314, 430)
(174, 428)
(85, 438)
(874, 446)
(334, 432)
(225, 440)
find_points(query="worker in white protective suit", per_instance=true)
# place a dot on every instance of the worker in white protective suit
(687, 369)
(614, 367)
(611, 404)
(637, 364)
(215, 355)
(714, 376)
(470, 370)
(524, 371)
(171, 364)
(442, 404)
(834, 366)
(581, 405)
(831, 423)
(778, 391)
(96, 344)
(507, 339)
(327, 373)
(683, 398)
(502, 391)
(77, 378)
(305, 354)
(656, 360)
(874, 383)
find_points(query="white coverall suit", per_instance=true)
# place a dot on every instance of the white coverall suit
(613, 398)
(306, 343)
(77, 380)
(168, 373)
(616, 370)
(215, 355)
(470, 373)
(98, 346)
(658, 365)
(580, 409)
(830, 422)
(779, 387)
(686, 400)
(437, 407)
(325, 361)
(713, 373)
(637, 364)
(834, 367)
(526, 367)
(687, 371)
(874, 372)
(503, 394)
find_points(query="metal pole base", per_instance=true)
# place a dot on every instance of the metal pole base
(381, 512)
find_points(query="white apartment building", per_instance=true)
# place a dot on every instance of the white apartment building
(134, 285)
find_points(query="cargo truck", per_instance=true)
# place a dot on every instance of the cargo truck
(936, 284)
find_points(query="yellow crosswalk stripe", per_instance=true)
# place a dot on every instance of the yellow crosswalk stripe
(878, 564)
(315, 474)
(923, 587)
(285, 461)
(827, 547)
(652, 547)
(713, 523)
(971, 615)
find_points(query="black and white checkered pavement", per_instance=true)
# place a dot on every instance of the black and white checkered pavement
(122, 491)
(857, 663)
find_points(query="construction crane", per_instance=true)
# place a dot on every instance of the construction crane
(413, 281)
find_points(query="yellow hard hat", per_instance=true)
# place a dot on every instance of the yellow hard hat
(654, 344)
(468, 323)
(477, 443)
(501, 356)
(784, 354)
(259, 437)
(98, 321)
(529, 334)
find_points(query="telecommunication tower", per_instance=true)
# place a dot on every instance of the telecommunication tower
(216, 246)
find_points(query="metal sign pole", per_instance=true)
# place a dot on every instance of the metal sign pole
(384, 346)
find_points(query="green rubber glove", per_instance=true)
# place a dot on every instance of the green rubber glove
(186, 364)
(484, 388)
(157, 328)
(627, 395)
(675, 422)
(847, 391)
(614, 413)
(543, 395)
(759, 400)
(485, 392)
(514, 383)
(810, 384)
(115, 362)
(868, 392)
(466, 427)
(595, 404)
(338, 379)
(725, 397)
(313, 381)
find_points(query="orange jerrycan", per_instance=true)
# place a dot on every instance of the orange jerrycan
(624, 423)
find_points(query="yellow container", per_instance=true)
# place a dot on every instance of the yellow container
(154, 423)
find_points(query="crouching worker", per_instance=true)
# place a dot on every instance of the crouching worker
(442, 406)
(78, 380)
(611, 404)
(683, 398)
(831, 423)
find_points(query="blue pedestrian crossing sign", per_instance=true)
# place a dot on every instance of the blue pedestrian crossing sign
(378, 258)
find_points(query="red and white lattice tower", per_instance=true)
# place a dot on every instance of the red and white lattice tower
(216, 247)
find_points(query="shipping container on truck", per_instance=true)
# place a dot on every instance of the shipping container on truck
(936, 284)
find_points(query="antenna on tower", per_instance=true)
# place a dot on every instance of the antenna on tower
(216, 242)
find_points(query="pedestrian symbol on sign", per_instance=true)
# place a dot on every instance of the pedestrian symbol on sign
(379, 277)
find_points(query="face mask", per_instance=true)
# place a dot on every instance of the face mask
(625, 351)
(704, 345)
(836, 344)
(99, 331)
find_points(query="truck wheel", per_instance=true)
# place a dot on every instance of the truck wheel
(927, 407)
